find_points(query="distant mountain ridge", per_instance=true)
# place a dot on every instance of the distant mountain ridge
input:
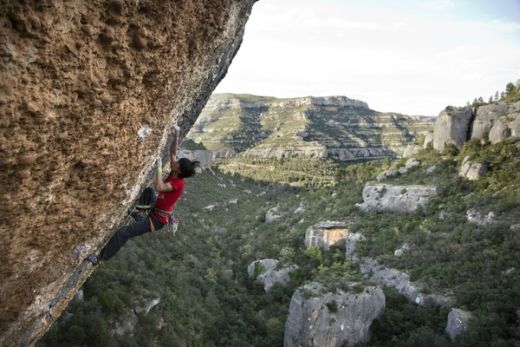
(319, 127)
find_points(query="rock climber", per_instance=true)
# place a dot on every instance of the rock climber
(169, 191)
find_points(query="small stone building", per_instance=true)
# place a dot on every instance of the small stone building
(326, 234)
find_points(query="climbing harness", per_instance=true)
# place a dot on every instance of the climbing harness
(147, 203)
(173, 222)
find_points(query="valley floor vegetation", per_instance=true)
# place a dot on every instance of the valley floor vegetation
(207, 299)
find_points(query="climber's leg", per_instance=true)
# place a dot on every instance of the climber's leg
(127, 232)
(122, 235)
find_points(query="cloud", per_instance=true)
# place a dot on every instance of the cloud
(401, 61)
(438, 5)
(502, 26)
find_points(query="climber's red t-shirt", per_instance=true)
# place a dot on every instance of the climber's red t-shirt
(166, 201)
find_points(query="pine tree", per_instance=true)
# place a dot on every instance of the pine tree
(510, 89)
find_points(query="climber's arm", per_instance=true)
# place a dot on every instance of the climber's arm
(174, 145)
(160, 185)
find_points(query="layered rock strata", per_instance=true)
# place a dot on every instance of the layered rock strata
(89, 92)
(317, 127)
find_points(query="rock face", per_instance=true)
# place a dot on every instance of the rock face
(89, 92)
(385, 197)
(318, 127)
(484, 119)
(269, 275)
(324, 319)
(472, 170)
(451, 127)
(428, 140)
(457, 322)
(326, 234)
(496, 122)
(493, 122)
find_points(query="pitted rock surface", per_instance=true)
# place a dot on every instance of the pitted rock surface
(89, 92)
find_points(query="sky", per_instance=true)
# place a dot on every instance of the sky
(408, 56)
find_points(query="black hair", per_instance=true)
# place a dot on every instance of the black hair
(187, 167)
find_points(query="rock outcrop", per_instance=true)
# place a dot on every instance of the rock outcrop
(484, 119)
(475, 217)
(272, 214)
(401, 250)
(410, 164)
(451, 127)
(268, 274)
(458, 321)
(394, 278)
(351, 245)
(89, 92)
(387, 174)
(473, 171)
(126, 324)
(493, 122)
(326, 234)
(400, 281)
(325, 319)
(428, 140)
(385, 197)
(496, 122)
(411, 150)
